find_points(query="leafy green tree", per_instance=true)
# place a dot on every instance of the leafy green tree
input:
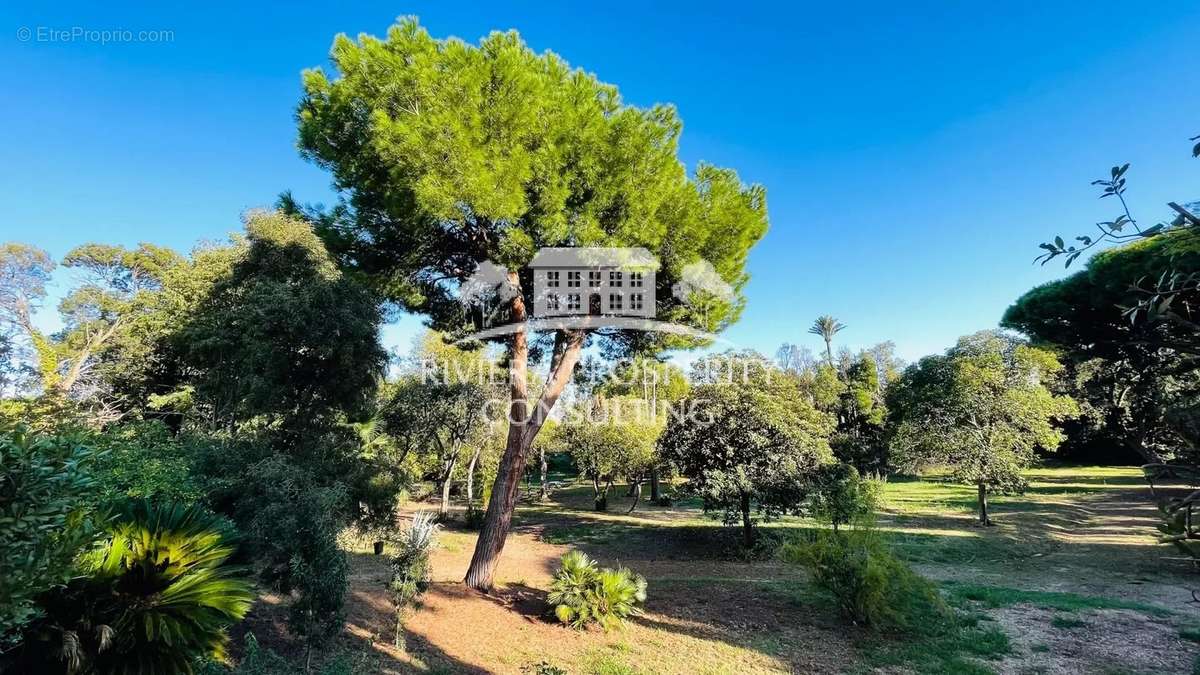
(744, 439)
(1135, 378)
(449, 154)
(1168, 294)
(155, 597)
(281, 351)
(826, 327)
(286, 335)
(982, 411)
(24, 272)
(47, 516)
(606, 447)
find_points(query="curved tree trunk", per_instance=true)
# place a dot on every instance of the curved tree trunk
(637, 496)
(471, 476)
(522, 429)
(447, 474)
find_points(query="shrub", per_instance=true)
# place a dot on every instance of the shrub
(842, 496)
(46, 499)
(410, 566)
(583, 593)
(871, 586)
(154, 599)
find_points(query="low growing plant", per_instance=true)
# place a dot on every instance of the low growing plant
(871, 585)
(410, 566)
(583, 593)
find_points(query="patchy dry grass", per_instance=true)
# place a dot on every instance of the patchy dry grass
(1073, 557)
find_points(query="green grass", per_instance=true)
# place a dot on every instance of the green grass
(998, 596)
(957, 652)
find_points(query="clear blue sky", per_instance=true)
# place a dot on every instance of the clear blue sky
(914, 153)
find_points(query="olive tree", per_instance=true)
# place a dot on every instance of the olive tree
(982, 411)
(744, 439)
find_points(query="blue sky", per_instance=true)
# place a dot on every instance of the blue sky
(914, 154)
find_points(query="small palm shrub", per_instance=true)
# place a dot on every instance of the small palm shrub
(582, 593)
(871, 586)
(410, 565)
(154, 598)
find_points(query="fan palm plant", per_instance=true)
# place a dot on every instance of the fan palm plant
(156, 595)
(826, 326)
(582, 593)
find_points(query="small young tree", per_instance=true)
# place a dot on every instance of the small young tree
(743, 438)
(607, 450)
(982, 410)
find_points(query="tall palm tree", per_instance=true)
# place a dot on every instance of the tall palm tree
(826, 326)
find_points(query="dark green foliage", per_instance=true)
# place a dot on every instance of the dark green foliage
(872, 586)
(285, 334)
(47, 502)
(291, 517)
(155, 597)
(749, 440)
(582, 593)
(144, 460)
(1138, 380)
(841, 496)
(983, 411)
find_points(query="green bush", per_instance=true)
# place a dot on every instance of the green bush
(842, 496)
(871, 585)
(144, 460)
(47, 496)
(155, 598)
(582, 593)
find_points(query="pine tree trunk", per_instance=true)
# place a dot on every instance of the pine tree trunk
(983, 506)
(523, 427)
(654, 492)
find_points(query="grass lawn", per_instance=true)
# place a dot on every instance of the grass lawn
(1070, 580)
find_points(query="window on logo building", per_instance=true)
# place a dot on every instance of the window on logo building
(635, 279)
(614, 278)
(572, 301)
(573, 279)
(552, 279)
(614, 301)
(552, 302)
(594, 279)
(635, 300)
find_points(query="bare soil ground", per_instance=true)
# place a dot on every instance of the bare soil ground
(1079, 531)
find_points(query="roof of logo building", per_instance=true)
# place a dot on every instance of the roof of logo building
(595, 256)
